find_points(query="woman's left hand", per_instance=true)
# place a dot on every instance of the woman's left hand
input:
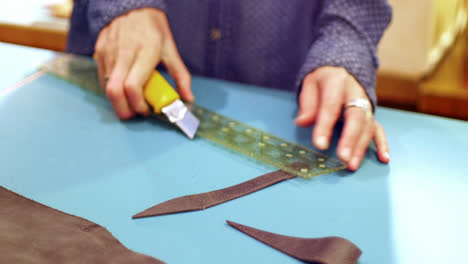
(324, 94)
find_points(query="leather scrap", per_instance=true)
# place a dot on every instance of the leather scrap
(326, 250)
(31, 232)
(205, 200)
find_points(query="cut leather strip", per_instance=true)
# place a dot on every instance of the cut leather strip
(34, 233)
(202, 201)
(326, 250)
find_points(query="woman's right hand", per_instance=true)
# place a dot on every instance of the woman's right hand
(128, 50)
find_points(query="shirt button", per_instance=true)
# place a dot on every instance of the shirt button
(215, 34)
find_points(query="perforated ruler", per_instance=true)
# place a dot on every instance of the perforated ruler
(227, 132)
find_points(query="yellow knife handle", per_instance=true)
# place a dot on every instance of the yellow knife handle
(159, 93)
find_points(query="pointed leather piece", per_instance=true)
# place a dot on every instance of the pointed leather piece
(202, 201)
(34, 233)
(326, 250)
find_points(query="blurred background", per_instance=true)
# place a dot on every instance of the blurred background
(423, 54)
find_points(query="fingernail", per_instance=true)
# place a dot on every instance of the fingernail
(355, 163)
(346, 153)
(322, 142)
(191, 98)
(299, 117)
(386, 155)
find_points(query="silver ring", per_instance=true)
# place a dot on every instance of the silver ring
(361, 103)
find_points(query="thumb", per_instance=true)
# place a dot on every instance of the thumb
(307, 102)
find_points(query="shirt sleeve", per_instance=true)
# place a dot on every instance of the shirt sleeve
(102, 12)
(347, 35)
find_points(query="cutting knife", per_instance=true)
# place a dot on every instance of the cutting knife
(165, 100)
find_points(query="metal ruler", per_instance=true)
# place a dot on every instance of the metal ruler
(234, 135)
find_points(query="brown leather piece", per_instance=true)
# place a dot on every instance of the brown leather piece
(326, 250)
(202, 201)
(34, 233)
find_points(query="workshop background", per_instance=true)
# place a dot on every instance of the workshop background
(423, 54)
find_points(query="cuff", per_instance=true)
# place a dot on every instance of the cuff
(339, 45)
(102, 12)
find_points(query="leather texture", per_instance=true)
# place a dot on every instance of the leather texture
(326, 250)
(31, 232)
(202, 201)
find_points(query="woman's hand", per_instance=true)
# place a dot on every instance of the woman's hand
(128, 50)
(324, 94)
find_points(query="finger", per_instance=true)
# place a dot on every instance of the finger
(307, 102)
(115, 85)
(179, 72)
(361, 147)
(99, 57)
(104, 52)
(101, 71)
(107, 56)
(380, 140)
(355, 122)
(111, 47)
(145, 63)
(331, 101)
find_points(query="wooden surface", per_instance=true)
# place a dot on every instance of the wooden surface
(445, 92)
(34, 23)
(397, 92)
(34, 36)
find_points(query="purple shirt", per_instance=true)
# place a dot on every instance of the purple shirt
(263, 42)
